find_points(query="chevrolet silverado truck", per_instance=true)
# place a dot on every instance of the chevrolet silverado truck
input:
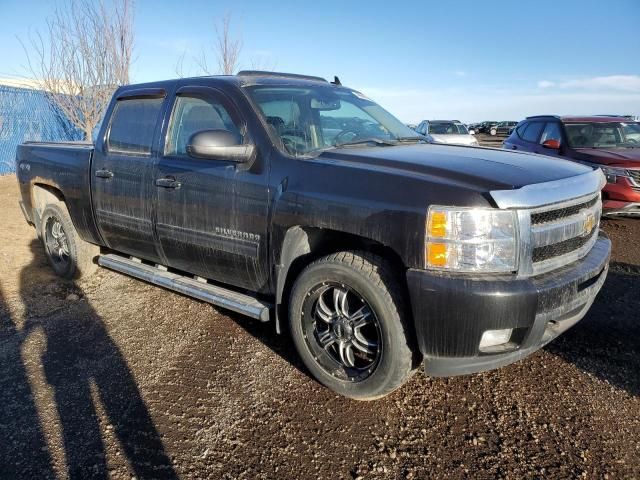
(293, 200)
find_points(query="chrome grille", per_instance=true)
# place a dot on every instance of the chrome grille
(635, 177)
(560, 234)
(553, 215)
(541, 254)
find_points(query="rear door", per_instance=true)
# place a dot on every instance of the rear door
(122, 174)
(211, 214)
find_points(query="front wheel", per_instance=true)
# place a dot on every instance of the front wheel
(346, 319)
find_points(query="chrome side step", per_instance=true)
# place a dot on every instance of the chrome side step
(219, 296)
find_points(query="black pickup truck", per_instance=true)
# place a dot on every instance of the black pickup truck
(298, 201)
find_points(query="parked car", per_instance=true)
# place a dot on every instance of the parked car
(473, 128)
(502, 128)
(378, 251)
(609, 143)
(451, 132)
(485, 127)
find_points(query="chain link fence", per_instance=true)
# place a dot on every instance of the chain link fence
(25, 115)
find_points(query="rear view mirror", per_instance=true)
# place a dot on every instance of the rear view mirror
(219, 145)
(551, 143)
(325, 104)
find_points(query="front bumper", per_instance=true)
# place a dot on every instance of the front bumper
(451, 312)
(621, 198)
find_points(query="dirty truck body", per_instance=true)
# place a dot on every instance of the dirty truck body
(297, 201)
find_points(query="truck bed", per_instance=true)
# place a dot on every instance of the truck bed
(63, 167)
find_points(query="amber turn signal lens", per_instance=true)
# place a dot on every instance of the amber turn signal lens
(436, 254)
(437, 224)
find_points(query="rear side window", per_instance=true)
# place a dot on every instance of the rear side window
(531, 131)
(132, 125)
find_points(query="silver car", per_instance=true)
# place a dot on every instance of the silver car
(451, 132)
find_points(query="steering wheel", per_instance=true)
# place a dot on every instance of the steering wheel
(342, 134)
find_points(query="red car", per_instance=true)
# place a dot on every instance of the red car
(607, 142)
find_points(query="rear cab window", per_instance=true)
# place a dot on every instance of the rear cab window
(132, 125)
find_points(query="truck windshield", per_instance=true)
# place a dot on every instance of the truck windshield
(308, 120)
(603, 135)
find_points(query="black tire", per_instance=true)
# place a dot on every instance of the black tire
(69, 255)
(369, 280)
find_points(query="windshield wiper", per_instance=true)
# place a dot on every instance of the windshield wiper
(377, 141)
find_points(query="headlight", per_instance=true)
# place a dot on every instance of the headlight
(471, 239)
(612, 173)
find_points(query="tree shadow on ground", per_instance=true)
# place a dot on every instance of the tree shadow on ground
(83, 365)
(606, 343)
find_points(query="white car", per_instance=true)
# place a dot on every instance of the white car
(447, 131)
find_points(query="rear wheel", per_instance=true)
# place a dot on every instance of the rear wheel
(347, 324)
(69, 255)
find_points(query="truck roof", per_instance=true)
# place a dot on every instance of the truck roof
(583, 118)
(243, 78)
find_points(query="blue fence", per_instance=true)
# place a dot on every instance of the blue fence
(27, 114)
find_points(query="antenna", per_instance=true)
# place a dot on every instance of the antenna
(336, 81)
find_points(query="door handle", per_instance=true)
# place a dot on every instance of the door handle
(104, 173)
(167, 182)
(514, 147)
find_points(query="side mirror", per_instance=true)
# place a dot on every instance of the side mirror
(219, 145)
(552, 144)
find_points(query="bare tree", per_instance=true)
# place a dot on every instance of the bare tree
(227, 48)
(84, 56)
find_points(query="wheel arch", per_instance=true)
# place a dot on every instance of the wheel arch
(301, 245)
(42, 195)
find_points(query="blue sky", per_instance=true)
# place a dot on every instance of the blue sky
(466, 60)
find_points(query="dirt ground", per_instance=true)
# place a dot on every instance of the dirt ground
(116, 378)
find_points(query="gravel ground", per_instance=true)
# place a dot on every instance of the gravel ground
(116, 378)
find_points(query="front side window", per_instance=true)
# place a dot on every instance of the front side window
(308, 120)
(192, 115)
(551, 132)
(603, 135)
(132, 125)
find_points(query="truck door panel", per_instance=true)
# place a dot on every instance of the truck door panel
(123, 177)
(214, 224)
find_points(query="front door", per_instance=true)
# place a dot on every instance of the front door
(211, 214)
(122, 175)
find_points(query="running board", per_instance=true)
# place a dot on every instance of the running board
(219, 296)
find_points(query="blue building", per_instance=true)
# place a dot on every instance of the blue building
(27, 114)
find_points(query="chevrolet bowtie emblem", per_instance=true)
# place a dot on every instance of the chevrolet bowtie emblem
(589, 223)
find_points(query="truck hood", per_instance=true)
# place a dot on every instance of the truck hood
(454, 139)
(618, 157)
(480, 169)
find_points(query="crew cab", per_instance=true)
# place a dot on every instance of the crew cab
(301, 202)
(610, 143)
